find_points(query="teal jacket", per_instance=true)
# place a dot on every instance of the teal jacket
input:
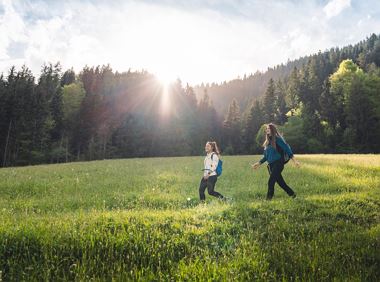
(271, 154)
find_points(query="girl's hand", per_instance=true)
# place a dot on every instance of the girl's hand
(297, 163)
(255, 165)
(205, 177)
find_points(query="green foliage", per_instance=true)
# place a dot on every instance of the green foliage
(140, 219)
(260, 136)
(294, 135)
(73, 95)
(356, 91)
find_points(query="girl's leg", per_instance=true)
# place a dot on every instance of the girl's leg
(211, 185)
(271, 182)
(275, 171)
(202, 188)
(283, 185)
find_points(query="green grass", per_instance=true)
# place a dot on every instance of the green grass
(140, 219)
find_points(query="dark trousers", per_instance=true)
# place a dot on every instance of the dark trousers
(275, 170)
(210, 184)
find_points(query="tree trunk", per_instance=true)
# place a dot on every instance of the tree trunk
(60, 147)
(78, 153)
(67, 148)
(6, 144)
(104, 147)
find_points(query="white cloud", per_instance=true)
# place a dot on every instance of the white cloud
(197, 43)
(335, 7)
(11, 28)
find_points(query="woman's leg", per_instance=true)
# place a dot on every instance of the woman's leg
(283, 185)
(271, 182)
(275, 171)
(211, 185)
(202, 188)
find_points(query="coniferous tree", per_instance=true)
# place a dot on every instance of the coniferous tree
(4, 122)
(68, 77)
(293, 89)
(207, 121)
(281, 108)
(19, 105)
(269, 103)
(232, 128)
(253, 122)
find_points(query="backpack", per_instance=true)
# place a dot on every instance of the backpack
(219, 167)
(284, 155)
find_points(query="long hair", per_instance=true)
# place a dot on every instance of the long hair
(271, 139)
(214, 147)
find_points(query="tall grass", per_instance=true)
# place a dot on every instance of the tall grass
(140, 219)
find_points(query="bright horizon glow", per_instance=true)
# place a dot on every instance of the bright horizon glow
(165, 77)
(195, 41)
(165, 101)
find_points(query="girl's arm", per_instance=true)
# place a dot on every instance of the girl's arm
(215, 160)
(297, 163)
(257, 164)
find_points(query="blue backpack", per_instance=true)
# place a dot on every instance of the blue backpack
(219, 167)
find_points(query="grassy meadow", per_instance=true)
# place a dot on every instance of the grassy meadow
(140, 219)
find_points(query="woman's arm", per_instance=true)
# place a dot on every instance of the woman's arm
(260, 162)
(214, 162)
(295, 161)
(256, 165)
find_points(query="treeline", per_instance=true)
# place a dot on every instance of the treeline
(330, 103)
(98, 114)
(326, 103)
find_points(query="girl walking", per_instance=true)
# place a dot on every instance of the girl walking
(273, 145)
(209, 172)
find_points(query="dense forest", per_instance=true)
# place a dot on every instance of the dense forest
(324, 103)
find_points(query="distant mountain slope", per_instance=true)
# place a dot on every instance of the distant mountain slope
(252, 86)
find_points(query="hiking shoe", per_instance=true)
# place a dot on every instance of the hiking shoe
(227, 199)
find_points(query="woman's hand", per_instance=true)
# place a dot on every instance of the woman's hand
(205, 177)
(297, 163)
(256, 165)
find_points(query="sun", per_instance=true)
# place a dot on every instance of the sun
(165, 78)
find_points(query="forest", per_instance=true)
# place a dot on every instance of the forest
(327, 102)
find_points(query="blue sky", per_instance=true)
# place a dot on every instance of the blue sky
(209, 41)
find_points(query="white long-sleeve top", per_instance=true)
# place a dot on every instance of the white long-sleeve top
(210, 164)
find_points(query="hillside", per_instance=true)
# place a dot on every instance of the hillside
(253, 86)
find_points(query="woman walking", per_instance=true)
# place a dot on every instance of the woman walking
(273, 145)
(209, 172)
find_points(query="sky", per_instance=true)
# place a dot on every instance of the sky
(196, 41)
